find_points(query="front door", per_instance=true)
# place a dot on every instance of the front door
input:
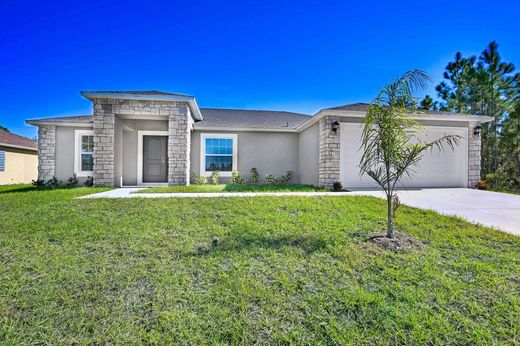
(155, 159)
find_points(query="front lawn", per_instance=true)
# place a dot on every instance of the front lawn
(275, 270)
(231, 188)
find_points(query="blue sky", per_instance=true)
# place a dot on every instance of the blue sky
(298, 56)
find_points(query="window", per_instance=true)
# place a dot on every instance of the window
(2, 160)
(84, 153)
(218, 153)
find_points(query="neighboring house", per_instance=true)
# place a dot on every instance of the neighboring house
(18, 159)
(150, 138)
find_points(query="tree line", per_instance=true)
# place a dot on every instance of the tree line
(488, 86)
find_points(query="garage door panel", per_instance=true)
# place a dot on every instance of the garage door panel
(446, 168)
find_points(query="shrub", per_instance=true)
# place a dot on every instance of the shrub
(482, 185)
(38, 183)
(89, 182)
(271, 180)
(253, 178)
(286, 178)
(53, 182)
(193, 178)
(236, 179)
(73, 181)
(202, 180)
(215, 178)
(505, 178)
(337, 186)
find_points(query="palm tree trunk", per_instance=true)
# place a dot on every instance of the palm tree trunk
(389, 224)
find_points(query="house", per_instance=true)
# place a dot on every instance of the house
(151, 138)
(18, 159)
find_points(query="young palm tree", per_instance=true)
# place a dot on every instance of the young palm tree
(390, 144)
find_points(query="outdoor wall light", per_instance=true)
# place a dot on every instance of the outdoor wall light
(477, 130)
(335, 126)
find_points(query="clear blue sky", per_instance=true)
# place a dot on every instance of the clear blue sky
(298, 56)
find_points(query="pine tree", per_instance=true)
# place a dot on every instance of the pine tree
(483, 86)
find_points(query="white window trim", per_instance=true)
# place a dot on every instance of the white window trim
(77, 152)
(203, 137)
(140, 135)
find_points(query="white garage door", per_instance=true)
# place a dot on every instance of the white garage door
(446, 168)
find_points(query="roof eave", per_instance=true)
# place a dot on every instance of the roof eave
(361, 114)
(244, 129)
(197, 115)
(17, 146)
(40, 122)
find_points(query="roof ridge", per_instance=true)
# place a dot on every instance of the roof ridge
(252, 110)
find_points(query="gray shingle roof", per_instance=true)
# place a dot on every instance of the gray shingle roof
(239, 118)
(363, 107)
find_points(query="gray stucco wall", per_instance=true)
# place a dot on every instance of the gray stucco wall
(271, 153)
(65, 137)
(309, 142)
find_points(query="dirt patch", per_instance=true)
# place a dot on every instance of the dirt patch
(401, 242)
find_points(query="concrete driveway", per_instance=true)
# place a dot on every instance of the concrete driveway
(493, 209)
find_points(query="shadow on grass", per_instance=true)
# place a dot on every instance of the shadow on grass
(17, 189)
(307, 244)
(270, 188)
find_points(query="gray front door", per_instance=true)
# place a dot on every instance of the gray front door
(155, 159)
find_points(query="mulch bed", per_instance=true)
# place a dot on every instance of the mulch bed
(401, 242)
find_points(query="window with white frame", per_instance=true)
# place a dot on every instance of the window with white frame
(218, 153)
(84, 152)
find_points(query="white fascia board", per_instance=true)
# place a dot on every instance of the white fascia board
(59, 123)
(242, 129)
(122, 96)
(361, 114)
(7, 145)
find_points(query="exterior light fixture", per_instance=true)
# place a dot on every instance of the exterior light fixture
(335, 126)
(477, 130)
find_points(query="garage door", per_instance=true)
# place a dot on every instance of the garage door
(446, 168)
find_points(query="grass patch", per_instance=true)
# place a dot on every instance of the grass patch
(266, 270)
(232, 188)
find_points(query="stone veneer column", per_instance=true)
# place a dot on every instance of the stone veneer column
(46, 152)
(180, 125)
(103, 143)
(328, 171)
(474, 157)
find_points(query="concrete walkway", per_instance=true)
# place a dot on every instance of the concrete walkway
(492, 209)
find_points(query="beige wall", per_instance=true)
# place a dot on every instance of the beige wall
(21, 166)
(270, 152)
(309, 155)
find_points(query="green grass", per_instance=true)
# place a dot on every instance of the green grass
(284, 270)
(504, 190)
(231, 188)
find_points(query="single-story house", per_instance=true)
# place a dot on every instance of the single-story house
(18, 159)
(151, 138)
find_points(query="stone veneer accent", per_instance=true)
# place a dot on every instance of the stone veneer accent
(104, 120)
(474, 143)
(46, 152)
(328, 171)
(179, 127)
